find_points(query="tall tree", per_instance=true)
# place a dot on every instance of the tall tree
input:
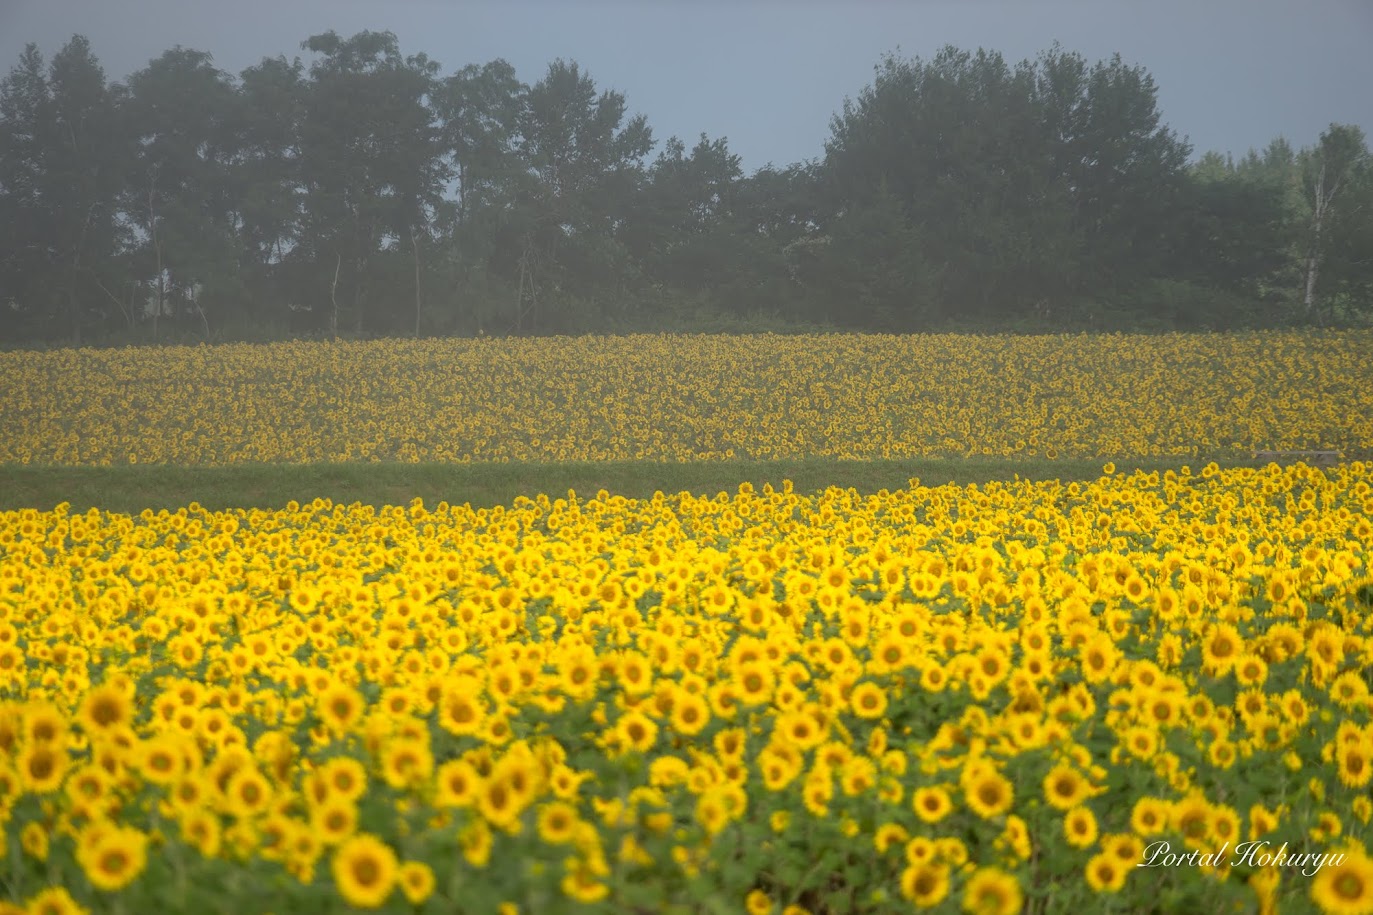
(683, 225)
(181, 194)
(585, 161)
(26, 230)
(60, 163)
(372, 172)
(267, 181)
(1328, 171)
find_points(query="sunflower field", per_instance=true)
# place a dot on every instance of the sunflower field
(692, 398)
(1142, 693)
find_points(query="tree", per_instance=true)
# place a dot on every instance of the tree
(1231, 243)
(682, 226)
(60, 170)
(268, 193)
(1328, 171)
(479, 110)
(585, 163)
(26, 234)
(372, 172)
(181, 194)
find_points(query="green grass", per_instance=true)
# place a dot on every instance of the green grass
(134, 488)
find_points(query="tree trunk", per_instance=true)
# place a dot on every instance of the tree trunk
(1313, 255)
(333, 297)
(415, 244)
(1313, 266)
(157, 249)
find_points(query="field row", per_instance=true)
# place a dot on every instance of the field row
(974, 697)
(691, 398)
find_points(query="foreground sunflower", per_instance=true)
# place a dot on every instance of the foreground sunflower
(1345, 888)
(365, 871)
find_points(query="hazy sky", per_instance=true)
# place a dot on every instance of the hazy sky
(1232, 74)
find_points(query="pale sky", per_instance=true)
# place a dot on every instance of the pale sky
(1232, 74)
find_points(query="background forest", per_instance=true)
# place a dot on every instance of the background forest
(362, 192)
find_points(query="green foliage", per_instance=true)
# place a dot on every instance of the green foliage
(364, 193)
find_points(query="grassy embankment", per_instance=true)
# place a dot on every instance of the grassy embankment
(134, 488)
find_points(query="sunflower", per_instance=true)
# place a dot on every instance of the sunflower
(581, 884)
(1221, 648)
(1355, 764)
(33, 838)
(345, 777)
(557, 822)
(1080, 827)
(406, 763)
(779, 767)
(248, 793)
(868, 700)
(730, 743)
(690, 713)
(987, 792)
(1250, 670)
(416, 881)
(500, 804)
(934, 678)
(340, 707)
(636, 731)
(201, 830)
(113, 856)
(1149, 816)
(1224, 825)
(817, 791)
(992, 891)
(42, 723)
(1345, 888)
(42, 766)
(461, 712)
(577, 674)
(712, 811)
(1065, 788)
(106, 707)
(1127, 848)
(857, 775)
(334, 820)
(921, 850)
(476, 840)
(1106, 873)
(54, 901)
(931, 804)
(161, 760)
(365, 871)
(889, 835)
(754, 683)
(757, 902)
(1098, 659)
(458, 782)
(926, 884)
(1191, 818)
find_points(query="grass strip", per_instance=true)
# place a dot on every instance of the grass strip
(270, 486)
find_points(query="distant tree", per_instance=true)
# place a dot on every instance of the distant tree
(61, 147)
(1027, 184)
(372, 172)
(1338, 163)
(181, 192)
(268, 194)
(479, 110)
(585, 164)
(683, 226)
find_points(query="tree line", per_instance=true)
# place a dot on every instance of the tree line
(363, 192)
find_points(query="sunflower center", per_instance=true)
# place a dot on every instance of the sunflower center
(1349, 886)
(366, 871)
(114, 862)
